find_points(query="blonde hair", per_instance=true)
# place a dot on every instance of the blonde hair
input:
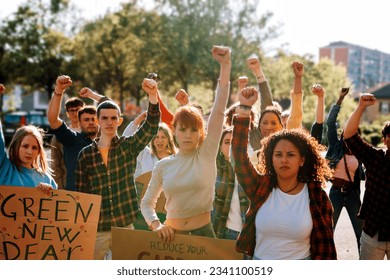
(40, 163)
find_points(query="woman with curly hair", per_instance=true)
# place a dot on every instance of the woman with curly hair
(290, 215)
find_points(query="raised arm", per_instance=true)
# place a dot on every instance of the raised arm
(181, 96)
(136, 142)
(296, 114)
(88, 93)
(54, 108)
(242, 82)
(253, 63)
(246, 173)
(316, 129)
(132, 127)
(215, 122)
(352, 125)
(332, 119)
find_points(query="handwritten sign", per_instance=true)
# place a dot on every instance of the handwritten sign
(130, 244)
(37, 226)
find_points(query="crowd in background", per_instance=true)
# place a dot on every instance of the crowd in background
(249, 174)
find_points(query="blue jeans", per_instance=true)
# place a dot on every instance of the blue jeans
(230, 234)
(351, 201)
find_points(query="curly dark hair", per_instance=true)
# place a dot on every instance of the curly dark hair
(315, 167)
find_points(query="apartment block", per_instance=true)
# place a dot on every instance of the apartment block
(366, 67)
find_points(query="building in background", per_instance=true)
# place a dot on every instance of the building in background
(366, 68)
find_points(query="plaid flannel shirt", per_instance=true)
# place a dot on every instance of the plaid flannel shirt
(115, 182)
(257, 187)
(375, 209)
(224, 187)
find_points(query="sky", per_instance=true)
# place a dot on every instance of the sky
(307, 24)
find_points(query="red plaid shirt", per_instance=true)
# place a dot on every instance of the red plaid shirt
(257, 187)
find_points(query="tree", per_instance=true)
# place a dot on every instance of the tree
(192, 27)
(33, 44)
(116, 52)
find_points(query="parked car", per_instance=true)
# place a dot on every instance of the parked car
(12, 121)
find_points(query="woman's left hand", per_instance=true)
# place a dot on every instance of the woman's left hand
(46, 188)
(166, 233)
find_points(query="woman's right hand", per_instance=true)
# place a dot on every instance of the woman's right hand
(248, 96)
(2, 88)
(46, 188)
(166, 233)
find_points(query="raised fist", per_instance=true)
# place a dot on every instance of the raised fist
(182, 97)
(297, 68)
(150, 86)
(85, 92)
(366, 99)
(318, 90)
(248, 96)
(221, 54)
(62, 83)
(242, 82)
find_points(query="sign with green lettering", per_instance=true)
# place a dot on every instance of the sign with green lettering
(37, 226)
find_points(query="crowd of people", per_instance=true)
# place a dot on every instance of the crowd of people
(251, 175)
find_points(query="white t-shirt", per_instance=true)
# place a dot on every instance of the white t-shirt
(283, 226)
(234, 220)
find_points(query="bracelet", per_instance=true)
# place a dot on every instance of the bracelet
(260, 77)
(57, 93)
(245, 107)
(243, 112)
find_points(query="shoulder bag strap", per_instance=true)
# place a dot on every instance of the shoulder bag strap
(346, 168)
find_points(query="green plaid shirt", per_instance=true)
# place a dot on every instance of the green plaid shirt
(115, 182)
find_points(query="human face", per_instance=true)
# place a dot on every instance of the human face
(87, 124)
(269, 124)
(109, 121)
(28, 151)
(187, 138)
(72, 114)
(160, 142)
(287, 160)
(225, 145)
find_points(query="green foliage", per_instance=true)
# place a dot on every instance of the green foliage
(34, 48)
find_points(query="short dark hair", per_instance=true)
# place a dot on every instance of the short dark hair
(109, 104)
(74, 102)
(386, 130)
(88, 109)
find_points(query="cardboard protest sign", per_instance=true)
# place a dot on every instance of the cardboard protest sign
(130, 244)
(37, 226)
